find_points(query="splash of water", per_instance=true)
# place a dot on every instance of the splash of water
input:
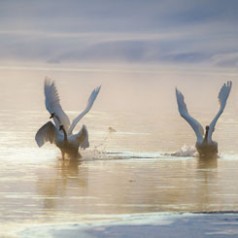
(185, 151)
(99, 151)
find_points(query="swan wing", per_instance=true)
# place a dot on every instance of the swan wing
(222, 98)
(52, 103)
(46, 133)
(182, 107)
(91, 100)
(82, 137)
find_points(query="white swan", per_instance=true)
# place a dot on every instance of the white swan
(205, 145)
(60, 132)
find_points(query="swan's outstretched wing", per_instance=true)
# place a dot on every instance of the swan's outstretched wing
(91, 100)
(82, 137)
(198, 129)
(52, 103)
(222, 98)
(46, 133)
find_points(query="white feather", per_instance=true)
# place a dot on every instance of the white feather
(52, 103)
(67, 142)
(222, 98)
(47, 133)
(198, 129)
(91, 100)
(182, 107)
(80, 139)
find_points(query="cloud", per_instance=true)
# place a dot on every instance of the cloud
(138, 31)
(226, 59)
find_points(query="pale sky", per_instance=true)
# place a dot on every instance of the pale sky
(171, 32)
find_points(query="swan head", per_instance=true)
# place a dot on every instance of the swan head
(52, 115)
(206, 134)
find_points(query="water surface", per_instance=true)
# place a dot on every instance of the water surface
(129, 170)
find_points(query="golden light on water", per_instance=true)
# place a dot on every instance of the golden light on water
(127, 170)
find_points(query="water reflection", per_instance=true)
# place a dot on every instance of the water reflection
(131, 186)
(207, 179)
(207, 162)
(69, 167)
(59, 183)
(127, 172)
(57, 190)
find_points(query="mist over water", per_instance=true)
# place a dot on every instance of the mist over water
(134, 99)
(134, 129)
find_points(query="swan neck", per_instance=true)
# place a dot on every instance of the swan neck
(65, 134)
(206, 134)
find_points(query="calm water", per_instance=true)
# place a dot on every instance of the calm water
(127, 171)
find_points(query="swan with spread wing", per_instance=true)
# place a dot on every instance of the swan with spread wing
(204, 145)
(61, 131)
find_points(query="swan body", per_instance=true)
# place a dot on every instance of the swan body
(207, 149)
(204, 144)
(67, 144)
(61, 131)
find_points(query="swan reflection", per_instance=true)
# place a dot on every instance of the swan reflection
(208, 162)
(55, 185)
